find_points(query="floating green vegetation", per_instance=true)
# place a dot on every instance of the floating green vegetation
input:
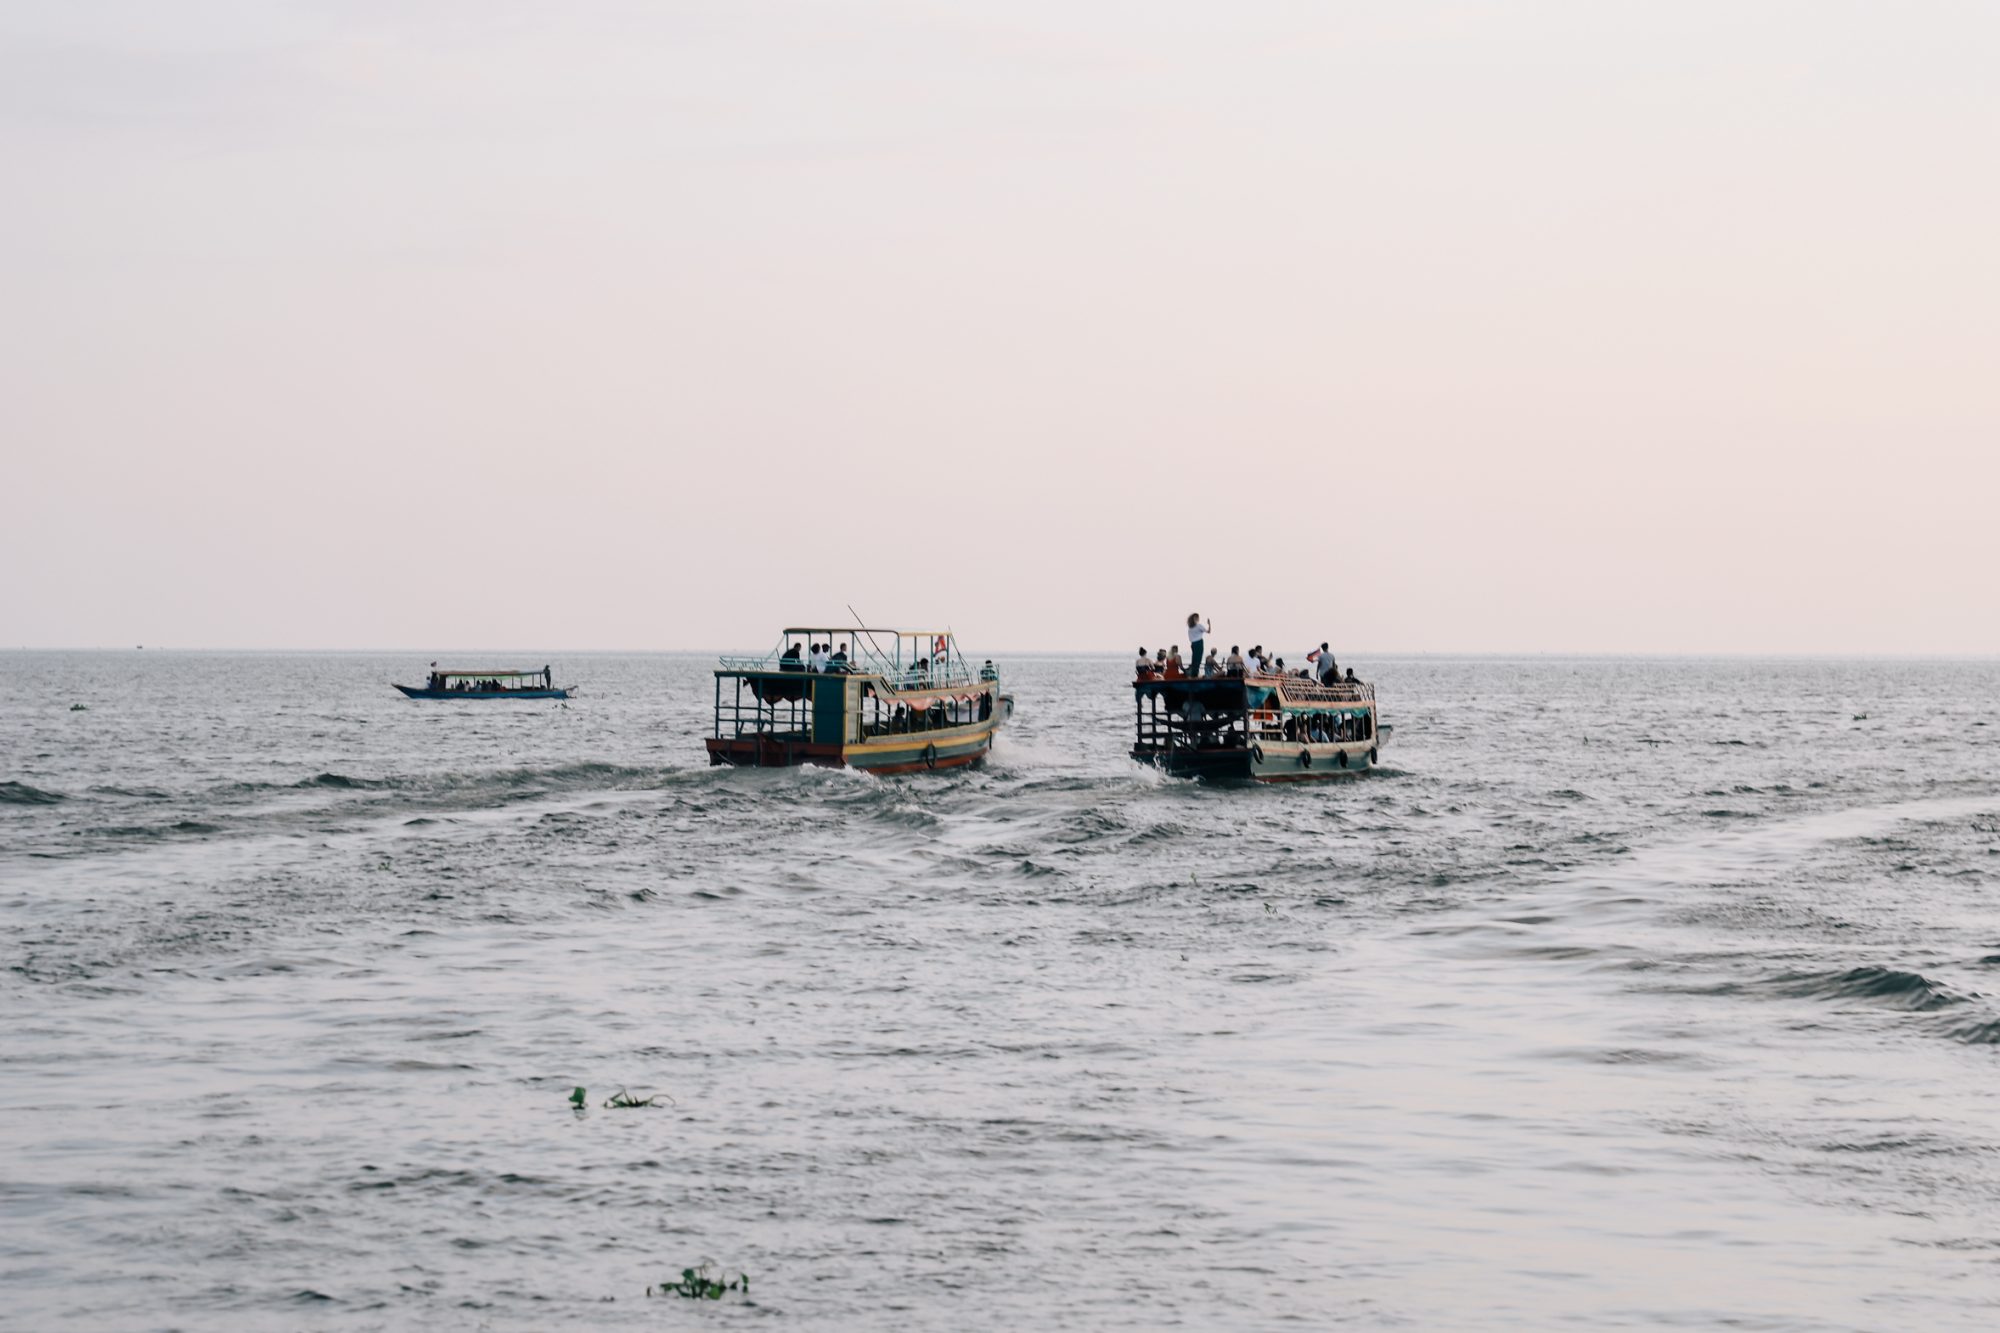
(78, 708)
(705, 1282)
(620, 1100)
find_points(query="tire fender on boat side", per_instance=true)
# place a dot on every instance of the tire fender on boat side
(1305, 758)
(930, 755)
(1343, 759)
(1371, 756)
(1257, 752)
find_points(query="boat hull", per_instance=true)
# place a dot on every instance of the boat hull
(419, 692)
(1279, 761)
(920, 753)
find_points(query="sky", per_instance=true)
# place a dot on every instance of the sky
(1527, 327)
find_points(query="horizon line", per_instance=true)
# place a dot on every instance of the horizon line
(1481, 653)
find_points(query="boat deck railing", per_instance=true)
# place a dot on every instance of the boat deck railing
(953, 678)
(1293, 689)
(1298, 689)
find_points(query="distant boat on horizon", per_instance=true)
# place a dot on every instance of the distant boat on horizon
(488, 684)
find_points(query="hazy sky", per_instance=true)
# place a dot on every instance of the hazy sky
(1501, 326)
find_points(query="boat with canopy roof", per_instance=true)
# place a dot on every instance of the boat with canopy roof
(488, 684)
(882, 700)
(1257, 727)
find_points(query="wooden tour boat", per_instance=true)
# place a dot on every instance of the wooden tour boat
(902, 701)
(488, 685)
(1258, 728)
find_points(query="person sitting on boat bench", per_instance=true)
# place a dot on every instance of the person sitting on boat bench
(1211, 668)
(838, 662)
(1144, 670)
(1235, 660)
(789, 660)
(1171, 668)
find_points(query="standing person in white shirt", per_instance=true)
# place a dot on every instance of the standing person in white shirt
(1197, 640)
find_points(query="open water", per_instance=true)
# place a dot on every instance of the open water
(1629, 994)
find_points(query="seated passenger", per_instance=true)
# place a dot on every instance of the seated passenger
(789, 659)
(838, 662)
(989, 672)
(1350, 677)
(1236, 666)
(1144, 669)
(1172, 667)
(1211, 667)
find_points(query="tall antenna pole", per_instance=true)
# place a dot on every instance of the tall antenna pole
(862, 625)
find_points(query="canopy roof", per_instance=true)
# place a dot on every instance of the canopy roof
(489, 674)
(838, 630)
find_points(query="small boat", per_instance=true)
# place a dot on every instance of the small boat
(902, 701)
(488, 685)
(1257, 728)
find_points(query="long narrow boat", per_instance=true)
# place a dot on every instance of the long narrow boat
(883, 700)
(489, 685)
(1258, 728)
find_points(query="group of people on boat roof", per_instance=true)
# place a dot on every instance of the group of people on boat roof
(822, 657)
(826, 659)
(1166, 663)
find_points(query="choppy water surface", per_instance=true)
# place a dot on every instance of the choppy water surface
(1630, 993)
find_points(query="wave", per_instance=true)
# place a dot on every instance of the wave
(1887, 985)
(1977, 1032)
(584, 775)
(20, 793)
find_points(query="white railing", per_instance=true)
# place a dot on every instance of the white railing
(956, 675)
